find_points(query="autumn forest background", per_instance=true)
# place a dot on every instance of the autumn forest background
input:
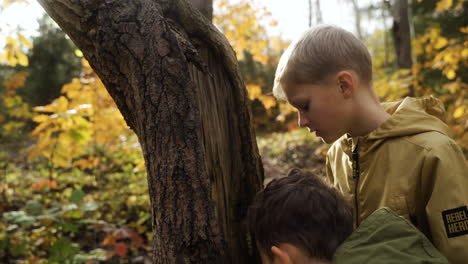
(73, 185)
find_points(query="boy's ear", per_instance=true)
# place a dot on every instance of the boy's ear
(281, 255)
(346, 83)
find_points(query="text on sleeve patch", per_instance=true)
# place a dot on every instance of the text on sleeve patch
(456, 221)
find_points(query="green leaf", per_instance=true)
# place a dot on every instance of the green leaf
(79, 135)
(68, 227)
(25, 219)
(89, 206)
(62, 250)
(13, 215)
(74, 214)
(96, 254)
(77, 196)
(33, 207)
(69, 207)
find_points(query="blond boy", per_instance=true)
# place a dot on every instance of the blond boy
(395, 155)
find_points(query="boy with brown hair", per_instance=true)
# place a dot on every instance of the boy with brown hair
(395, 155)
(299, 219)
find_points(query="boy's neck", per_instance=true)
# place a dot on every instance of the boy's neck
(369, 116)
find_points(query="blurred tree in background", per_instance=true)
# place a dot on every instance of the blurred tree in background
(52, 63)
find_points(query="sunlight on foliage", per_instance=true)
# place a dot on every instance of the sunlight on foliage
(244, 25)
(84, 116)
(14, 111)
(448, 57)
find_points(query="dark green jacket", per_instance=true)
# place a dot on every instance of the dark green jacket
(386, 238)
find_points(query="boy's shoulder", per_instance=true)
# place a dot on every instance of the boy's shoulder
(430, 140)
(414, 123)
(383, 234)
(427, 141)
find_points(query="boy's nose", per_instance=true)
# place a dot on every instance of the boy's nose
(303, 121)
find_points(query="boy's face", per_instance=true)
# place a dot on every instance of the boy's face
(322, 108)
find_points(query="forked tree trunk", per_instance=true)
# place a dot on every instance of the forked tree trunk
(176, 81)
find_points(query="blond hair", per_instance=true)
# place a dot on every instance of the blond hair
(318, 53)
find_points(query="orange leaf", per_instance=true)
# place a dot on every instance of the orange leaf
(109, 240)
(39, 184)
(52, 184)
(120, 249)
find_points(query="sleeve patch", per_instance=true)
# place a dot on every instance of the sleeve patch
(456, 221)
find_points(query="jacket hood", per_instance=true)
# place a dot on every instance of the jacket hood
(410, 116)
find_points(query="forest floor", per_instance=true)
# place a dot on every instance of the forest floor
(282, 152)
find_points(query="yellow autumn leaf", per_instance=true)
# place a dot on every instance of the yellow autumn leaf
(78, 53)
(22, 59)
(447, 57)
(451, 74)
(444, 5)
(441, 42)
(17, 80)
(65, 140)
(61, 160)
(254, 91)
(83, 164)
(464, 52)
(46, 108)
(62, 104)
(10, 57)
(13, 43)
(40, 118)
(428, 49)
(74, 85)
(267, 101)
(24, 41)
(459, 112)
(42, 127)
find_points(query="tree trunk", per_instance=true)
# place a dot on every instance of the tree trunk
(357, 21)
(310, 13)
(176, 81)
(402, 36)
(318, 12)
(385, 5)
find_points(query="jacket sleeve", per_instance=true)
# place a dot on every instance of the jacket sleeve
(445, 179)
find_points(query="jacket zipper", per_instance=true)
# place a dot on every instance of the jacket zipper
(356, 174)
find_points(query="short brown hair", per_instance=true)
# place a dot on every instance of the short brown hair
(303, 211)
(320, 52)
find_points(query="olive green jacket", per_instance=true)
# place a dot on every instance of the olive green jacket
(385, 238)
(410, 165)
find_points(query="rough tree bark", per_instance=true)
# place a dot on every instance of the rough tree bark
(176, 81)
(402, 37)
